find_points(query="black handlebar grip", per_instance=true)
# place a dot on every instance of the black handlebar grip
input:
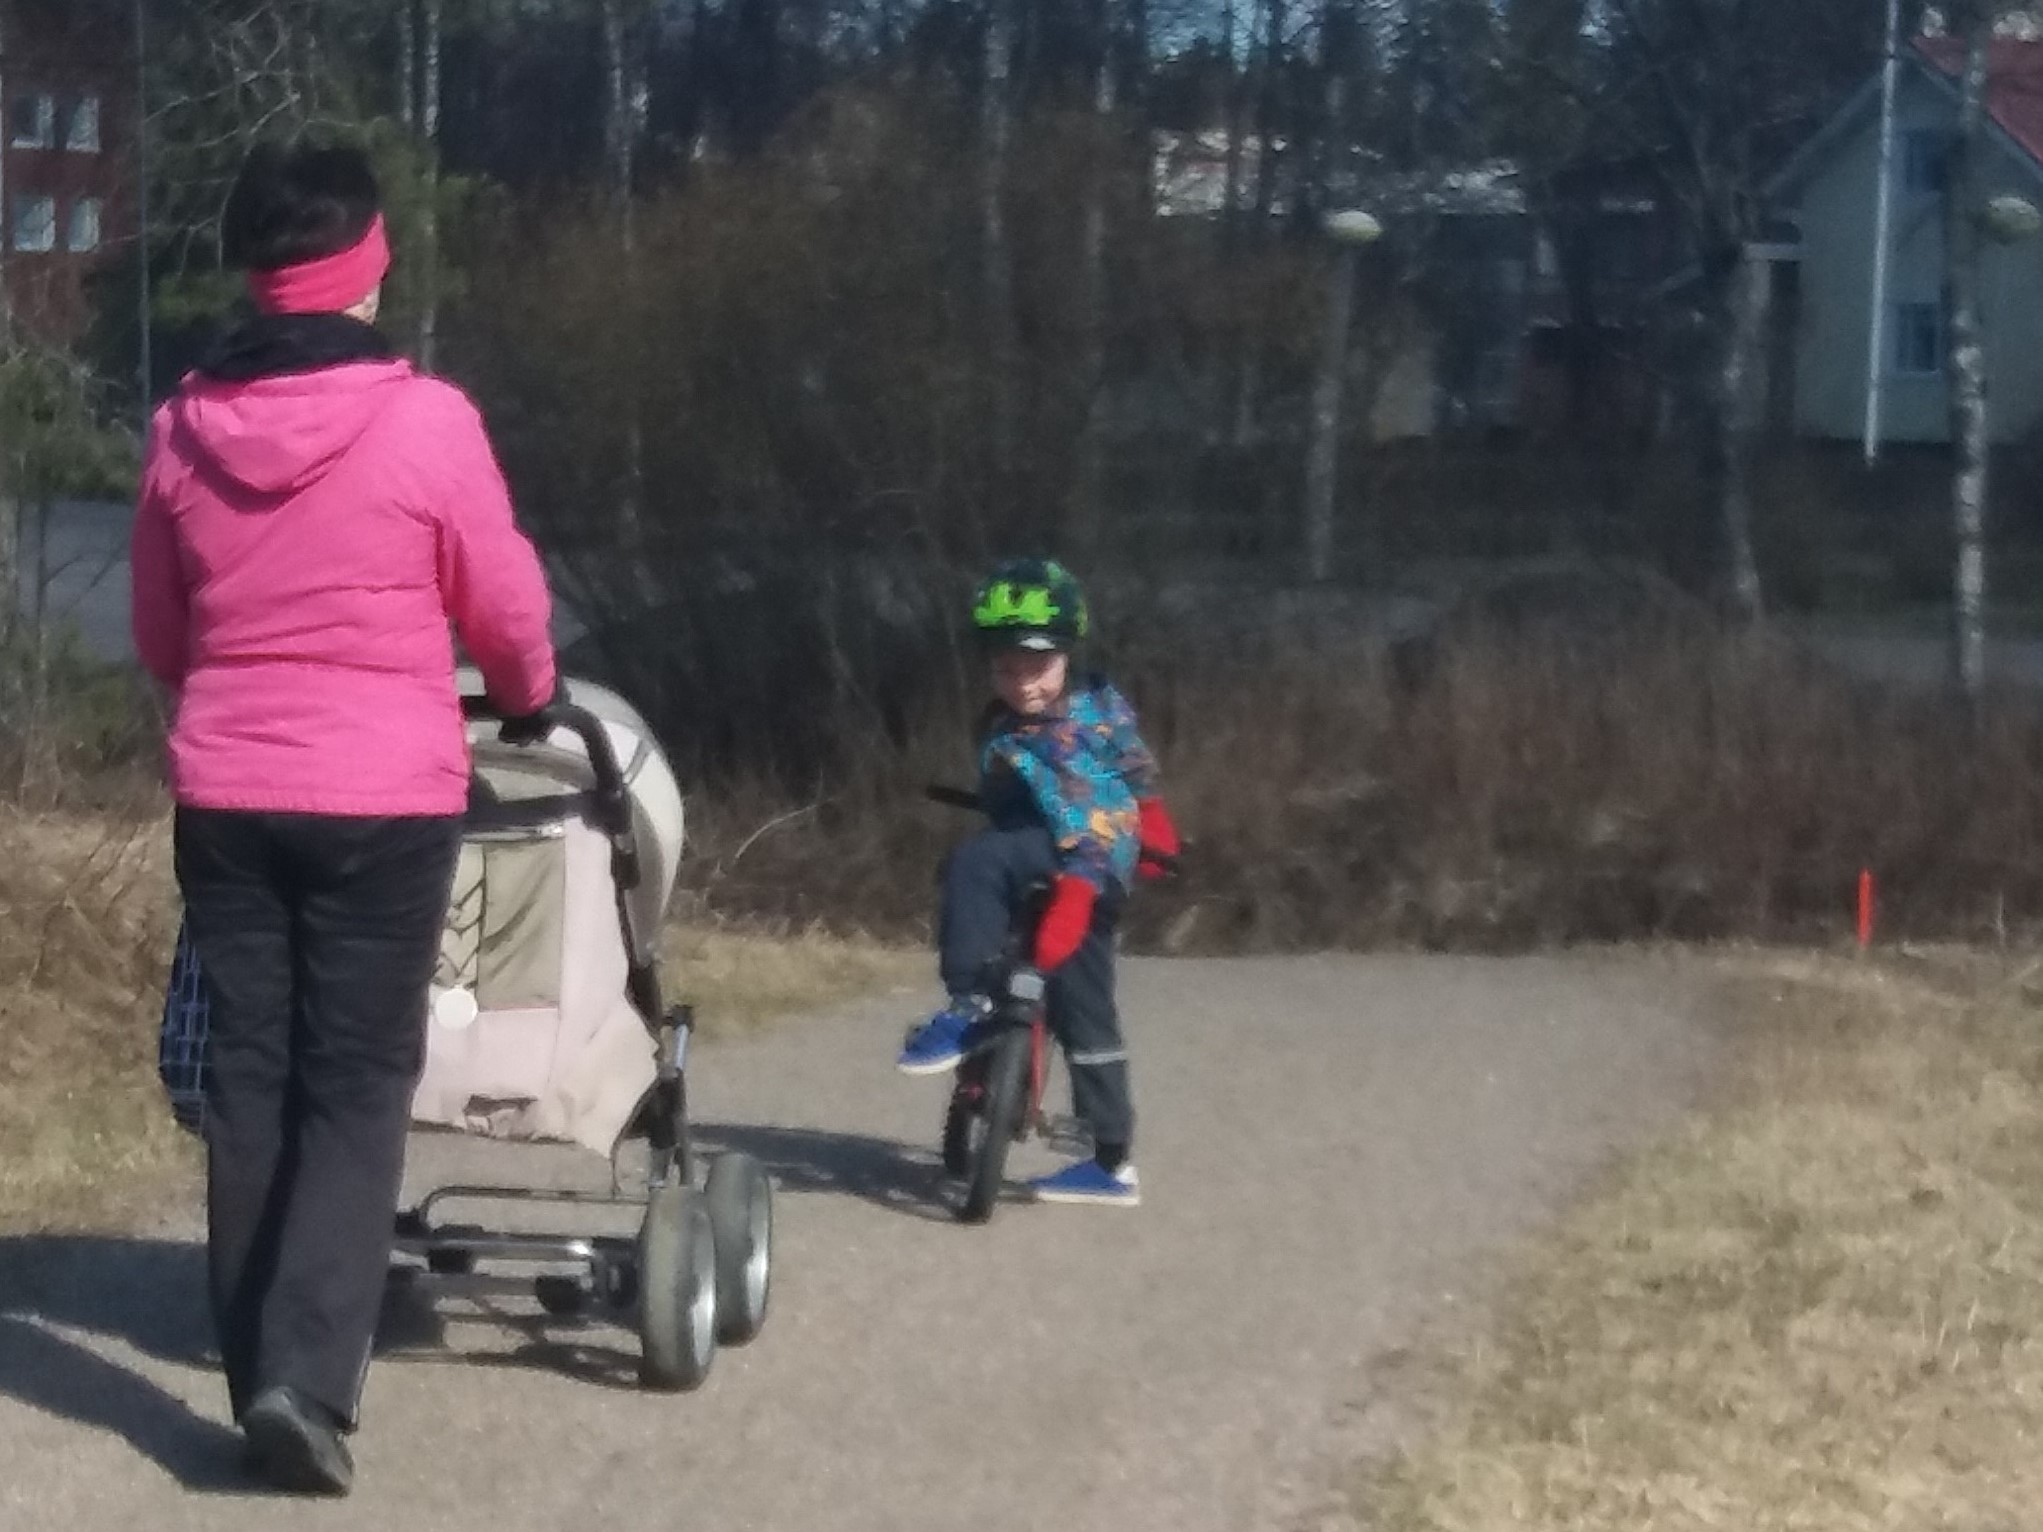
(585, 726)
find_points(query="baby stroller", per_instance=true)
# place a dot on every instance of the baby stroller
(548, 1024)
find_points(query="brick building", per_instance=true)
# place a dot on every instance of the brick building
(67, 156)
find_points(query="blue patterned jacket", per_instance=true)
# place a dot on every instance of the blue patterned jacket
(1079, 771)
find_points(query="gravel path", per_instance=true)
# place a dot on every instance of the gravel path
(1329, 1148)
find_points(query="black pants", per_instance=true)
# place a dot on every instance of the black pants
(984, 883)
(318, 937)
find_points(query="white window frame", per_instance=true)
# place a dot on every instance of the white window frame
(19, 219)
(82, 109)
(1907, 316)
(44, 134)
(93, 211)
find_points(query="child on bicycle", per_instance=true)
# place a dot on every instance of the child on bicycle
(1070, 793)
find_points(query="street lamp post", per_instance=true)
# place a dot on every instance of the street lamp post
(1348, 231)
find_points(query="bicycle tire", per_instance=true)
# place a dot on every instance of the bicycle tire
(958, 1119)
(1007, 1086)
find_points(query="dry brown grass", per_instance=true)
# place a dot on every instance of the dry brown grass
(739, 980)
(85, 928)
(1654, 783)
(1820, 1307)
(86, 923)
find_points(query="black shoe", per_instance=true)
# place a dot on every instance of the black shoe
(295, 1444)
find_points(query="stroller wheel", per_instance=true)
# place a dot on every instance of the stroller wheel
(677, 1318)
(740, 1199)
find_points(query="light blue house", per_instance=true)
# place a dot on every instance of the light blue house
(1830, 190)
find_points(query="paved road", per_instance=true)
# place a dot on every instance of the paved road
(74, 569)
(1329, 1146)
(87, 593)
(80, 578)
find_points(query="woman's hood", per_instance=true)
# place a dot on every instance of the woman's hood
(279, 433)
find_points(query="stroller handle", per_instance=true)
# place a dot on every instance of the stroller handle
(613, 802)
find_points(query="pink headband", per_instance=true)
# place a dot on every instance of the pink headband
(330, 285)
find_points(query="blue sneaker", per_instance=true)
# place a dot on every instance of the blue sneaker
(1087, 1182)
(938, 1044)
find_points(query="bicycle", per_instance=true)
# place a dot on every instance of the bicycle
(996, 1100)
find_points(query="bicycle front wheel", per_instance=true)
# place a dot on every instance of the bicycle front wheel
(999, 1119)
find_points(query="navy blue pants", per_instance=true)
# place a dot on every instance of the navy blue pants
(985, 885)
(318, 938)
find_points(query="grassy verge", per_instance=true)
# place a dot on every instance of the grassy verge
(1821, 1306)
(739, 979)
(86, 918)
(85, 1139)
(85, 930)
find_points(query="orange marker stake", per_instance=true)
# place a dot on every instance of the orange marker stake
(1865, 908)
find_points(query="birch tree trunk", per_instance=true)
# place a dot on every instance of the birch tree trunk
(429, 224)
(1965, 363)
(10, 580)
(997, 254)
(1131, 86)
(1269, 110)
(10, 558)
(617, 113)
(1228, 376)
(1089, 511)
(1237, 111)
(1751, 285)
(1733, 319)
(407, 65)
(623, 108)
(1323, 451)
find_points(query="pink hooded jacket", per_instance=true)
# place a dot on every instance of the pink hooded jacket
(301, 544)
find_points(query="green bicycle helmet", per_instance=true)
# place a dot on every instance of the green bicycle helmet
(1029, 604)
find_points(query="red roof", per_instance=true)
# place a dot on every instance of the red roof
(2014, 83)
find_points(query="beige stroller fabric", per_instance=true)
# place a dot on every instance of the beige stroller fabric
(531, 1032)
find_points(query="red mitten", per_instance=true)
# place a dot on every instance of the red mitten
(1159, 839)
(1061, 932)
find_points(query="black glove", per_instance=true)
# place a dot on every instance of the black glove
(531, 728)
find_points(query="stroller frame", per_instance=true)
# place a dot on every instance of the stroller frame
(699, 1271)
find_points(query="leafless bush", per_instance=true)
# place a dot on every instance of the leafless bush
(1532, 789)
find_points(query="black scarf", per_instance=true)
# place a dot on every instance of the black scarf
(273, 344)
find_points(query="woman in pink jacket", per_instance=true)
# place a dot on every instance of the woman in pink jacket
(313, 515)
